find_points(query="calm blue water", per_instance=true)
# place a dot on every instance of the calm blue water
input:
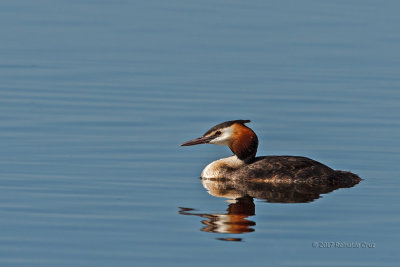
(96, 96)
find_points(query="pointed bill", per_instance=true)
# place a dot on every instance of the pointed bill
(198, 141)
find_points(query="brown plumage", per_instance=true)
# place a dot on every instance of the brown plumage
(244, 142)
(291, 169)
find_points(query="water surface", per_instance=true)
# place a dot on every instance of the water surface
(96, 96)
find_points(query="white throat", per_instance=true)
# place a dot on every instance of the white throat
(221, 168)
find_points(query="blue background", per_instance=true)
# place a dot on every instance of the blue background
(96, 96)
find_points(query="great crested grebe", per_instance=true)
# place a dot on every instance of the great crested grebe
(244, 164)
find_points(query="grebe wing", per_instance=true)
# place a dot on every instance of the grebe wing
(282, 168)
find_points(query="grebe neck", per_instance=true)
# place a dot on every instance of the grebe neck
(244, 144)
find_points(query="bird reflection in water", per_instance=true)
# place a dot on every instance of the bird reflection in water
(241, 194)
(234, 221)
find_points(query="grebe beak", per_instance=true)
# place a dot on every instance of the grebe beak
(198, 141)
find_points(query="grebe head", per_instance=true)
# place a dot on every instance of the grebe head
(239, 138)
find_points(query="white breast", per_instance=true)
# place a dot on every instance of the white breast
(221, 167)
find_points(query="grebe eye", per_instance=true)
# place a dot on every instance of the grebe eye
(218, 133)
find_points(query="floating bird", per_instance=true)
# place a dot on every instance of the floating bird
(244, 164)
